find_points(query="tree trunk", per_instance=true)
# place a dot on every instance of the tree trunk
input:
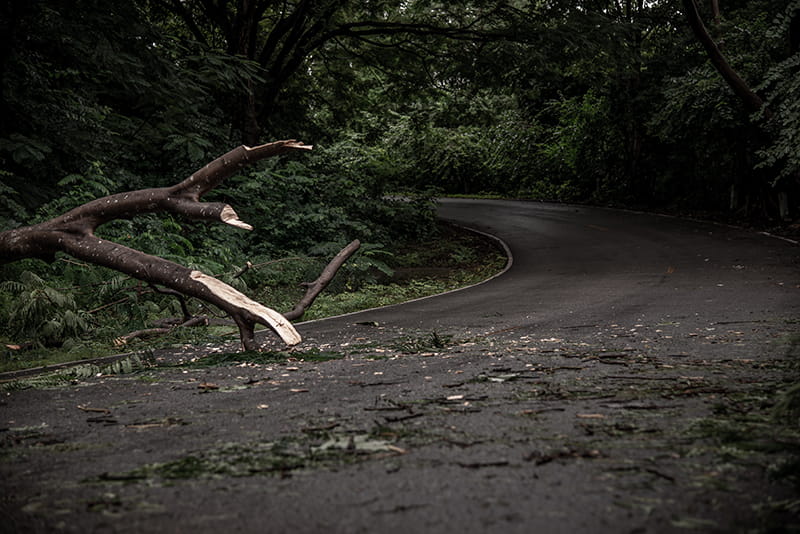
(749, 98)
(251, 128)
(715, 13)
(73, 234)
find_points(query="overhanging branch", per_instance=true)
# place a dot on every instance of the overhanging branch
(749, 98)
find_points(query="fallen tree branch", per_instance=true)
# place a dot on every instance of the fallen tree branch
(316, 287)
(73, 233)
(159, 331)
(165, 326)
(243, 270)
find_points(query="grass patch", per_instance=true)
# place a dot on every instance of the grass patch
(264, 459)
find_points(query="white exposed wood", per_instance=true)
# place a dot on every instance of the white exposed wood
(272, 318)
(229, 216)
(291, 143)
(73, 234)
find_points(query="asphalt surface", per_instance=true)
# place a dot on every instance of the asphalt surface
(576, 266)
(621, 376)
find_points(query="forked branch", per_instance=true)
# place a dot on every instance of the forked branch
(73, 233)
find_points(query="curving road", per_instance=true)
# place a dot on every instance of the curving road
(580, 392)
(581, 268)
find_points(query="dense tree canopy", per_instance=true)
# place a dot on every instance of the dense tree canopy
(469, 96)
(685, 105)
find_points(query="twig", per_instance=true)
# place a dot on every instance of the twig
(270, 262)
(399, 418)
(480, 465)
(104, 306)
(73, 262)
(85, 408)
(181, 299)
(316, 287)
(247, 267)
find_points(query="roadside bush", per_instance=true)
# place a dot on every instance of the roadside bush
(42, 314)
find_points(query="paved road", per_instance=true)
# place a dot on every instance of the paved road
(577, 267)
(620, 377)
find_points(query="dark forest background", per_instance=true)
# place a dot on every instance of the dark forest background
(611, 102)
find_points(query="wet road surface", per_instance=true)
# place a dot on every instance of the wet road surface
(621, 376)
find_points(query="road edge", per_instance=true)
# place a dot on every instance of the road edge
(11, 376)
(509, 262)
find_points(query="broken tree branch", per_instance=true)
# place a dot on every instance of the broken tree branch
(316, 287)
(73, 233)
(165, 326)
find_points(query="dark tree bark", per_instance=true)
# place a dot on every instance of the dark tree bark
(73, 233)
(749, 98)
(715, 13)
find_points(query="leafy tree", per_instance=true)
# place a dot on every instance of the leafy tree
(283, 37)
(775, 151)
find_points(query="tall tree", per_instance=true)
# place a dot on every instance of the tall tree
(752, 101)
(784, 74)
(281, 36)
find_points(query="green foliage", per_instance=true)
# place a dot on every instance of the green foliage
(510, 154)
(12, 213)
(558, 101)
(702, 124)
(94, 86)
(79, 189)
(782, 84)
(305, 209)
(41, 313)
(610, 105)
(584, 164)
